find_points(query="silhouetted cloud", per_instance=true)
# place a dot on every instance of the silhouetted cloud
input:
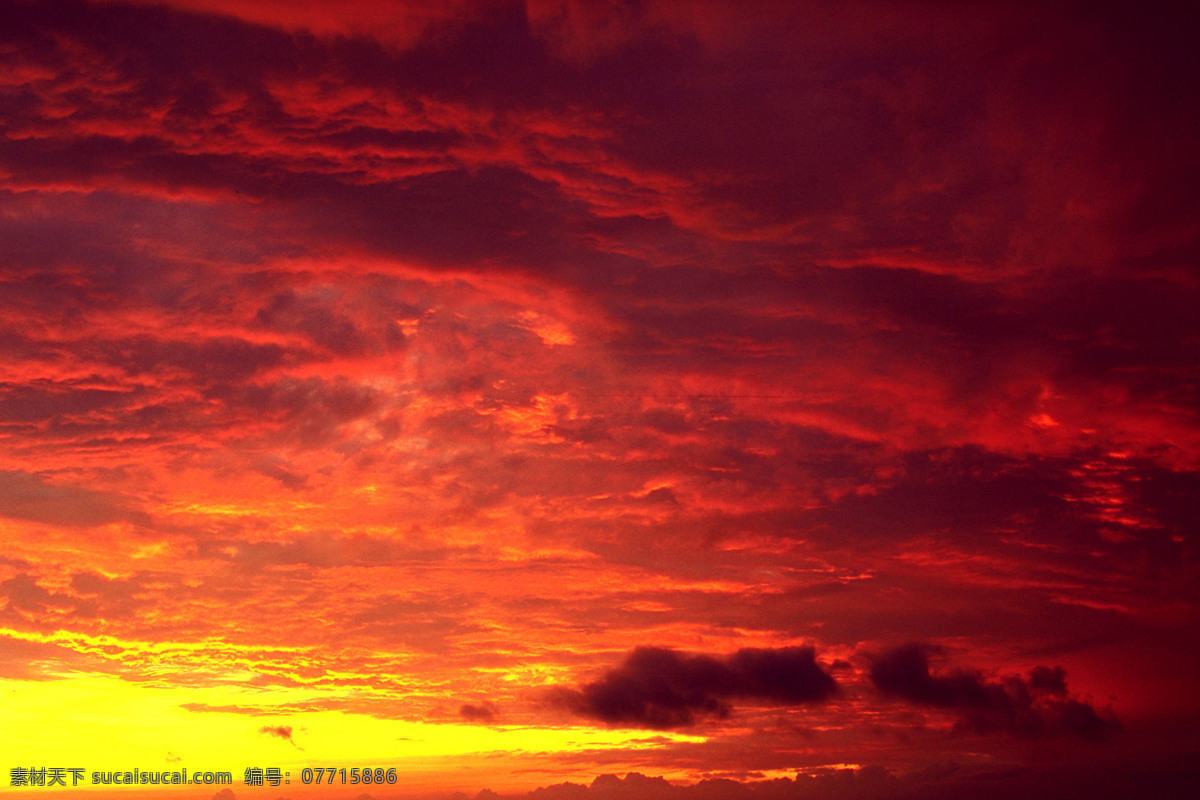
(661, 688)
(1027, 707)
(280, 731)
(478, 712)
(1163, 777)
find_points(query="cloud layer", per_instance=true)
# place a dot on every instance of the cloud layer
(660, 688)
(1030, 707)
(409, 362)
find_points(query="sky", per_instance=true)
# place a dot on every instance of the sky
(601, 399)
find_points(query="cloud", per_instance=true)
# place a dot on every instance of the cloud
(1027, 707)
(661, 688)
(282, 732)
(25, 660)
(1161, 777)
(483, 713)
(28, 496)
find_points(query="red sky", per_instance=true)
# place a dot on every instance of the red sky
(783, 400)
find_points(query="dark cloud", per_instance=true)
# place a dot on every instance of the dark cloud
(112, 598)
(309, 411)
(279, 731)
(218, 360)
(978, 495)
(24, 593)
(289, 311)
(1028, 707)
(904, 671)
(30, 497)
(661, 688)
(1161, 777)
(746, 140)
(44, 401)
(483, 713)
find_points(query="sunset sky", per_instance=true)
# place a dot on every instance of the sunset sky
(762, 401)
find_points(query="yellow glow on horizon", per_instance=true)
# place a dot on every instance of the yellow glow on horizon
(102, 723)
